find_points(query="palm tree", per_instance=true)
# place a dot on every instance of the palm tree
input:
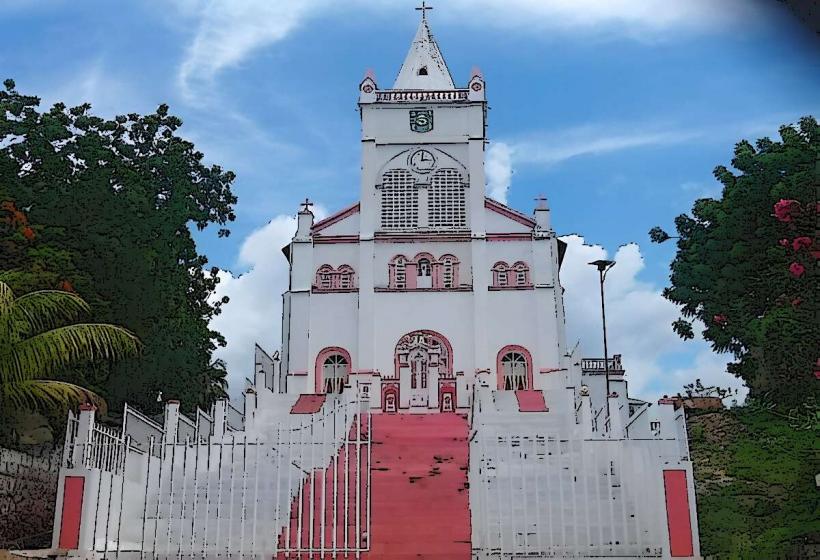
(40, 337)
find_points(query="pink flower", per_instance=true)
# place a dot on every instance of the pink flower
(784, 209)
(720, 319)
(796, 302)
(784, 243)
(801, 242)
(797, 269)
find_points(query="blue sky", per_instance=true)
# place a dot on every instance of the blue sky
(616, 110)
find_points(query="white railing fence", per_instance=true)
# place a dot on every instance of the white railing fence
(301, 486)
(537, 496)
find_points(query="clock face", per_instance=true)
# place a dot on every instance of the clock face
(422, 161)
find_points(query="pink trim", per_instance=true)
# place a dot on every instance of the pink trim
(551, 370)
(299, 373)
(390, 388)
(531, 401)
(424, 255)
(411, 272)
(448, 372)
(73, 488)
(506, 288)
(319, 382)
(335, 280)
(508, 212)
(337, 217)
(446, 388)
(335, 239)
(508, 237)
(521, 266)
(499, 371)
(380, 289)
(413, 237)
(678, 516)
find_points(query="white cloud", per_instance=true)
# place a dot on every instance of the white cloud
(254, 314)
(228, 31)
(498, 169)
(557, 146)
(638, 322)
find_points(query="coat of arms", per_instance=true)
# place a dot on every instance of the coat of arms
(421, 120)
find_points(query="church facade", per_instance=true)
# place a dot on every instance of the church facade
(424, 402)
(425, 281)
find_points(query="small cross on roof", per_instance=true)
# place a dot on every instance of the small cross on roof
(424, 7)
(306, 205)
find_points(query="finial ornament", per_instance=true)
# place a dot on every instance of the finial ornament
(306, 205)
(424, 7)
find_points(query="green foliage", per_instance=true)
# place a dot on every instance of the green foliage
(111, 203)
(39, 338)
(754, 475)
(746, 265)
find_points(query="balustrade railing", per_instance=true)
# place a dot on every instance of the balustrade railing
(402, 95)
(598, 365)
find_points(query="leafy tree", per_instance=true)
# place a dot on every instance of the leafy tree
(746, 265)
(40, 339)
(115, 199)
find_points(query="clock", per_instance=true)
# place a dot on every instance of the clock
(421, 161)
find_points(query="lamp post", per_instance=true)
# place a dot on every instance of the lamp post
(603, 267)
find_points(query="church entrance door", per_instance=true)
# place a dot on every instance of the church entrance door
(422, 358)
(419, 377)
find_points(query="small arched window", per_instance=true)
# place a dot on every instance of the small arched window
(514, 369)
(501, 275)
(398, 272)
(324, 277)
(334, 373)
(422, 71)
(346, 280)
(449, 271)
(424, 273)
(522, 274)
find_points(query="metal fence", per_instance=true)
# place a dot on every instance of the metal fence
(294, 490)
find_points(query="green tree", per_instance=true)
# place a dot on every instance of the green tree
(40, 339)
(116, 199)
(746, 265)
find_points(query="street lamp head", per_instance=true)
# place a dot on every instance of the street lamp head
(603, 265)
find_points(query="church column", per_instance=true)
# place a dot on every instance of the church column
(366, 359)
(481, 278)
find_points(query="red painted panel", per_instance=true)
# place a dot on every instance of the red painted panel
(677, 513)
(72, 512)
(531, 401)
(308, 404)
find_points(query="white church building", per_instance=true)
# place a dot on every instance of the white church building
(424, 402)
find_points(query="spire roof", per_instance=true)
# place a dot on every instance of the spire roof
(424, 67)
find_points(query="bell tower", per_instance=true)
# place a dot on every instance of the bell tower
(422, 147)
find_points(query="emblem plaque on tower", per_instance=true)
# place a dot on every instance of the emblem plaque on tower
(421, 120)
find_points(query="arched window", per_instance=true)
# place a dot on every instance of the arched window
(514, 369)
(447, 200)
(449, 272)
(522, 274)
(346, 277)
(424, 270)
(422, 71)
(400, 200)
(328, 279)
(324, 277)
(334, 373)
(398, 272)
(332, 370)
(501, 275)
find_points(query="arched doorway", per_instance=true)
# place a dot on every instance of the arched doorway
(332, 370)
(421, 359)
(514, 369)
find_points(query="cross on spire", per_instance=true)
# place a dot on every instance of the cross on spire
(306, 205)
(423, 8)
